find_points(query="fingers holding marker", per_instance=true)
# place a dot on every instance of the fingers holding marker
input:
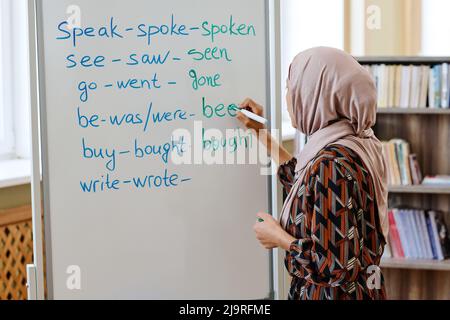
(249, 123)
(263, 216)
(254, 116)
(242, 118)
(250, 114)
(250, 105)
(260, 215)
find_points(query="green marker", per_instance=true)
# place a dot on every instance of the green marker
(260, 220)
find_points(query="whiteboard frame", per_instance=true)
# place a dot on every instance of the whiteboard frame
(40, 138)
(35, 272)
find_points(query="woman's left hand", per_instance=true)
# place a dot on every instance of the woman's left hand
(270, 233)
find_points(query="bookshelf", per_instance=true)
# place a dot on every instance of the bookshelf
(422, 111)
(415, 264)
(402, 60)
(419, 189)
(428, 132)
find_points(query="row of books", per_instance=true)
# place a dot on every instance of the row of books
(403, 166)
(417, 234)
(439, 91)
(412, 86)
(437, 181)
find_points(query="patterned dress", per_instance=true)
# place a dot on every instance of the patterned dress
(335, 219)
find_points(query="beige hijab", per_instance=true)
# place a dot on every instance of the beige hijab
(334, 100)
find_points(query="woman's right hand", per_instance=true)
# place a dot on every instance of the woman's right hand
(277, 152)
(251, 106)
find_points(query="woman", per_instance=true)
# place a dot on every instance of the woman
(334, 223)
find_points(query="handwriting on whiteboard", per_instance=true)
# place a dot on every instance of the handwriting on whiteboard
(139, 122)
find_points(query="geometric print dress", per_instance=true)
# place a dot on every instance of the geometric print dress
(335, 219)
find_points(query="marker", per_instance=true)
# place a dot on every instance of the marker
(252, 116)
(260, 220)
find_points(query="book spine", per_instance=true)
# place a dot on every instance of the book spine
(414, 174)
(436, 241)
(425, 235)
(398, 85)
(400, 152)
(404, 95)
(411, 233)
(425, 70)
(431, 237)
(394, 237)
(438, 77)
(402, 232)
(405, 149)
(431, 89)
(418, 235)
(444, 87)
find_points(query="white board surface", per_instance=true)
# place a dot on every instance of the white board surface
(186, 232)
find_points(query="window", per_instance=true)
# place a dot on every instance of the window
(435, 28)
(306, 24)
(6, 128)
(14, 80)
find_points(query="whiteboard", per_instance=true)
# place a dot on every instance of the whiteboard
(125, 214)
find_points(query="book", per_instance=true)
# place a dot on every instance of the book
(444, 86)
(432, 88)
(394, 164)
(402, 228)
(415, 87)
(377, 73)
(437, 91)
(425, 235)
(394, 237)
(442, 234)
(418, 234)
(411, 233)
(385, 86)
(425, 71)
(402, 156)
(403, 167)
(439, 180)
(391, 95)
(397, 86)
(405, 87)
(430, 229)
(416, 173)
(411, 86)
(435, 236)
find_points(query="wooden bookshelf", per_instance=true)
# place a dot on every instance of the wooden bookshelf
(419, 189)
(403, 60)
(423, 111)
(415, 264)
(428, 133)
